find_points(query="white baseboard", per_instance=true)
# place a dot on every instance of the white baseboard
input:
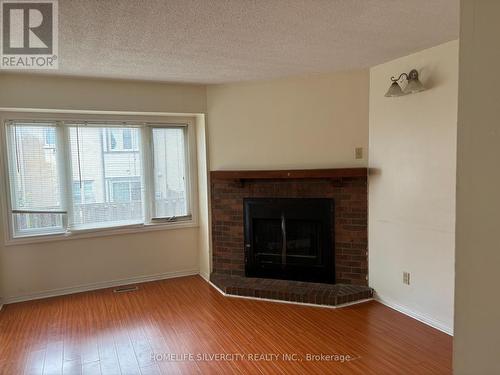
(424, 318)
(206, 276)
(99, 285)
(287, 302)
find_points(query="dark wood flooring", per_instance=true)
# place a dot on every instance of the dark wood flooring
(102, 332)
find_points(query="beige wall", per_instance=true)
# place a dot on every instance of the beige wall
(32, 91)
(26, 270)
(477, 307)
(412, 186)
(306, 122)
(204, 240)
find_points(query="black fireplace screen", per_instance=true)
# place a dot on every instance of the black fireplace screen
(289, 238)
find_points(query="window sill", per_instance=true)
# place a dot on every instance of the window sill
(100, 232)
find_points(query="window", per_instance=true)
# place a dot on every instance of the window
(50, 137)
(127, 139)
(71, 176)
(36, 203)
(113, 206)
(125, 190)
(83, 192)
(169, 173)
(121, 140)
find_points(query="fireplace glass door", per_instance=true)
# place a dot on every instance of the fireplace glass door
(289, 238)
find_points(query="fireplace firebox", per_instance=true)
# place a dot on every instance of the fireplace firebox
(289, 238)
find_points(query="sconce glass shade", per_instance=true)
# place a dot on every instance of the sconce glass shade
(394, 90)
(414, 85)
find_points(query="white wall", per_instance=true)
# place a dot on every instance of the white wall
(305, 122)
(412, 186)
(477, 306)
(26, 270)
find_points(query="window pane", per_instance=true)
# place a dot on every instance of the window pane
(77, 192)
(122, 139)
(135, 191)
(35, 181)
(170, 197)
(50, 137)
(102, 179)
(112, 138)
(121, 191)
(127, 139)
(33, 224)
(88, 192)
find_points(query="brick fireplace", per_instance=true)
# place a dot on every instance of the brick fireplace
(346, 188)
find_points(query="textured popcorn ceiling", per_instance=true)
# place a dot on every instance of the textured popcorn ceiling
(214, 41)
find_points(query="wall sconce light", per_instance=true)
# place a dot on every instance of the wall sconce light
(413, 84)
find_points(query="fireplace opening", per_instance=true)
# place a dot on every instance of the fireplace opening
(289, 238)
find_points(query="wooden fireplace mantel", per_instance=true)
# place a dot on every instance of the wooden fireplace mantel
(332, 173)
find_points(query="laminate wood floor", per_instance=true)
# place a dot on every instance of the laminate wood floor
(185, 326)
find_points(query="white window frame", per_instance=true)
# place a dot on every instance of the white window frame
(187, 137)
(146, 122)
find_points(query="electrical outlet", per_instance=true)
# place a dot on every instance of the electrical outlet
(358, 152)
(406, 278)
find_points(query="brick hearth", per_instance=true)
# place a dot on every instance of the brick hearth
(293, 291)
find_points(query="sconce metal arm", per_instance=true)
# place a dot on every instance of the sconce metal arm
(394, 79)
